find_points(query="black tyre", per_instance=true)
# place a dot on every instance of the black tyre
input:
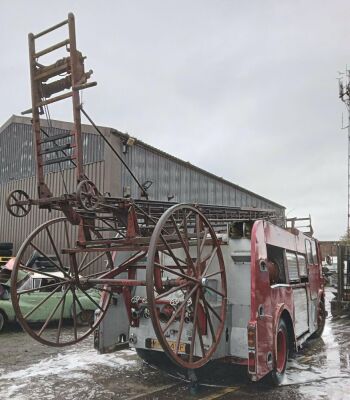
(2, 321)
(6, 246)
(282, 348)
(156, 358)
(5, 253)
(321, 320)
(85, 318)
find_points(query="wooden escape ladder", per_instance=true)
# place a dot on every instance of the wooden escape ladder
(63, 147)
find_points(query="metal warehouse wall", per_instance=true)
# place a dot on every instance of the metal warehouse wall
(17, 159)
(187, 183)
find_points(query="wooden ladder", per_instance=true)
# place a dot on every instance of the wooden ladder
(63, 147)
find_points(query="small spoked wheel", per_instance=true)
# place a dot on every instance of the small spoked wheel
(50, 290)
(281, 356)
(18, 203)
(87, 195)
(186, 286)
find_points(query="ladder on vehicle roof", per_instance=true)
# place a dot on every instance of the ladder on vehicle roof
(51, 148)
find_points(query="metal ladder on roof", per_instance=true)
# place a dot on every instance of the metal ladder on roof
(63, 147)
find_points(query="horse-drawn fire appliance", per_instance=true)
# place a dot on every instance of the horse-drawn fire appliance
(194, 282)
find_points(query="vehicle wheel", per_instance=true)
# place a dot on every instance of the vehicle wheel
(321, 320)
(282, 347)
(2, 322)
(156, 358)
(85, 318)
(6, 246)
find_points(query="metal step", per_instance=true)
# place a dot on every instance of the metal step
(55, 137)
(56, 149)
(58, 160)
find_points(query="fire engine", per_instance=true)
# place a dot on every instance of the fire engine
(192, 282)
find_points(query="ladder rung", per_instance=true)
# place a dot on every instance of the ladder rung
(49, 101)
(48, 30)
(55, 137)
(57, 160)
(52, 48)
(55, 149)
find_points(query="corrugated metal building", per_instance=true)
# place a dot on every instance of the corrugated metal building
(171, 177)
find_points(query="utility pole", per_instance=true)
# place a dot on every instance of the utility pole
(344, 95)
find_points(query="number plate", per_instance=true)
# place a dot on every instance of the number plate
(154, 344)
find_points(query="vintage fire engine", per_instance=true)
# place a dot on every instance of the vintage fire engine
(191, 282)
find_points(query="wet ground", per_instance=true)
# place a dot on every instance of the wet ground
(29, 370)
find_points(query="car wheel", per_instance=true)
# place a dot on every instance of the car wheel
(85, 318)
(321, 320)
(282, 349)
(2, 321)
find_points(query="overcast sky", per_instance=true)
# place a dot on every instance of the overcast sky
(244, 89)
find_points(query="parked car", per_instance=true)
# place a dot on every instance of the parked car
(85, 308)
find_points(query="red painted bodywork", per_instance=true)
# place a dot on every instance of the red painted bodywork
(275, 300)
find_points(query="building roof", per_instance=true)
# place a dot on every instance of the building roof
(15, 119)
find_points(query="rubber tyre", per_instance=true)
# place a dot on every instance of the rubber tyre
(6, 246)
(2, 322)
(156, 358)
(86, 318)
(277, 374)
(5, 253)
(321, 320)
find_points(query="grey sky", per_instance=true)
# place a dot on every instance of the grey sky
(244, 89)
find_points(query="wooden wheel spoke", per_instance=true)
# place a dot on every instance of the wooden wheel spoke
(211, 257)
(171, 320)
(212, 274)
(67, 234)
(194, 330)
(184, 245)
(171, 253)
(172, 290)
(59, 328)
(29, 313)
(200, 337)
(177, 258)
(91, 262)
(91, 299)
(210, 323)
(48, 319)
(214, 290)
(40, 289)
(212, 309)
(74, 316)
(22, 267)
(206, 230)
(49, 259)
(82, 261)
(60, 266)
(180, 274)
(179, 334)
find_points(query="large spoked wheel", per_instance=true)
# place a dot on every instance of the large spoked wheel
(50, 291)
(186, 286)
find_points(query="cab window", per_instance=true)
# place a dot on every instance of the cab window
(308, 249)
